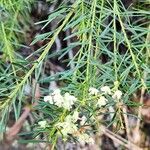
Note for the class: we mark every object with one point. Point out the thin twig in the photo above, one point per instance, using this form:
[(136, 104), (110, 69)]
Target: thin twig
[(124, 109), (140, 109), (144, 78), (119, 139), (14, 130)]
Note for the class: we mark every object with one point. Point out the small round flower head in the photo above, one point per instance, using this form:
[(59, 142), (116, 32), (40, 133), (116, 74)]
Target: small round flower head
[(48, 99), (93, 91), (85, 138), (101, 101), (83, 120), (117, 95), (69, 101), (65, 101), (68, 126), (70, 98), (75, 116), (58, 100), (69, 129), (56, 92), (42, 124), (106, 90)]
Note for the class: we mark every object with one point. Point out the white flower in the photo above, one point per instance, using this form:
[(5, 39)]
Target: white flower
[(68, 126), (72, 118), (57, 98), (68, 119), (83, 120), (117, 95), (70, 98), (101, 101), (85, 138), (75, 116), (93, 91), (56, 92), (106, 90), (42, 124), (65, 101), (69, 101), (48, 99)]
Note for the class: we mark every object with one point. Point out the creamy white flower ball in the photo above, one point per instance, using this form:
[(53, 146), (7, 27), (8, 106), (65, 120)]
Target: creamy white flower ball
[(106, 90), (117, 95), (93, 91)]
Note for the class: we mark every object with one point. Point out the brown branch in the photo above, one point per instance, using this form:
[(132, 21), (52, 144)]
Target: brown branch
[(11, 134), (14, 130), (119, 139)]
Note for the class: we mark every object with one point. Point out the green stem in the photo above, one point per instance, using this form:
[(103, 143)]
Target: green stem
[(42, 56)]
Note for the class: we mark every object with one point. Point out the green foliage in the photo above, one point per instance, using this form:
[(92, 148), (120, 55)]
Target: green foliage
[(14, 16), (102, 29)]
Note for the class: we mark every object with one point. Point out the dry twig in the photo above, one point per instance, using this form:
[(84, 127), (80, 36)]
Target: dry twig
[(11, 135)]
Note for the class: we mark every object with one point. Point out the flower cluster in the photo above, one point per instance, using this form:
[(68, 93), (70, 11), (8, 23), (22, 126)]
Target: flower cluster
[(42, 124), (66, 101), (85, 138), (70, 126), (117, 95), (104, 91)]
